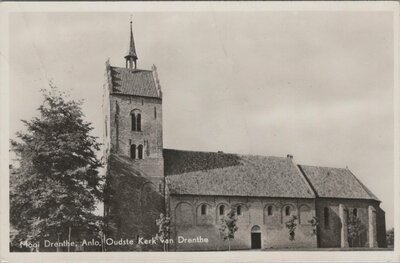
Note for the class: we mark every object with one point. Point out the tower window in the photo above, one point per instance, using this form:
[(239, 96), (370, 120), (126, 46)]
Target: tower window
[(139, 122), (133, 122), (136, 120), (239, 210), (203, 209), (287, 210), (326, 217), (269, 210), (222, 210), (155, 113), (140, 151), (133, 151)]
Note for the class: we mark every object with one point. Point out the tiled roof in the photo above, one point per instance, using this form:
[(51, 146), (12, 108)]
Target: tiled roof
[(179, 162), (133, 82), (207, 173), (336, 183)]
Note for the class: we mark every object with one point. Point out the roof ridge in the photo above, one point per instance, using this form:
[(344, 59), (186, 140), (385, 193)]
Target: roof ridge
[(222, 152), (329, 167)]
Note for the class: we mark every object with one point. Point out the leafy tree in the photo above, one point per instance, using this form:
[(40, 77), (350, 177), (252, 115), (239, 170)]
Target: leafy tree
[(354, 229), (291, 226), (390, 237), (163, 228), (55, 189), (228, 226)]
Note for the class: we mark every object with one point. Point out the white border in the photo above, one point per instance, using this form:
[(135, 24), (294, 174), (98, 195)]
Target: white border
[(8, 7)]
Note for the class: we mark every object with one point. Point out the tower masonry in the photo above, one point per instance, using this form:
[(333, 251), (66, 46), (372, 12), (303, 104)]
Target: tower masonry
[(133, 114), (133, 147)]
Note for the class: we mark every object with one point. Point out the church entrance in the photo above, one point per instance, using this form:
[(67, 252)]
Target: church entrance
[(255, 237)]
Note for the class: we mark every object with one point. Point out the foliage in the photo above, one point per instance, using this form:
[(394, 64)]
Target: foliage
[(228, 226), (354, 229), (57, 183), (390, 237), (163, 223), (291, 226), (314, 223)]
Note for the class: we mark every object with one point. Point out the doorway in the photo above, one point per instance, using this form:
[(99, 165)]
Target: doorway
[(255, 237)]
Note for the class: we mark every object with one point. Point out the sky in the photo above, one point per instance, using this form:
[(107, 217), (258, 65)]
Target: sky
[(317, 85)]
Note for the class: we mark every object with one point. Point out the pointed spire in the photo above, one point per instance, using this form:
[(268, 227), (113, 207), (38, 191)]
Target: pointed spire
[(131, 57)]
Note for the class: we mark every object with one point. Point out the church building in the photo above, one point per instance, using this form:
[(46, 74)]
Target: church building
[(197, 189)]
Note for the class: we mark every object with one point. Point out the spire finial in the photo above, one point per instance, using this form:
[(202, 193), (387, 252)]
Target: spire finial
[(131, 57)]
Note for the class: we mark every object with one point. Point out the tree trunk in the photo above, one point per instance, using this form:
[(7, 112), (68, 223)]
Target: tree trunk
[(229, 244), (58, 240), (102, 237), (69, 238)]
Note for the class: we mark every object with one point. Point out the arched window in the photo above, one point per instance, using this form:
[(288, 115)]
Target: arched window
[(287, 210), (203, 209), (326, 217), (140, 151), (139, 122), (355, 212), (133, 121), (238, 210), (222, 210), (269, 210), (136, 120), (133, 151)]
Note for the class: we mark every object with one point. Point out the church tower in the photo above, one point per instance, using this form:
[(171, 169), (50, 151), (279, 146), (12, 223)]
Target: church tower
[(133, 147)]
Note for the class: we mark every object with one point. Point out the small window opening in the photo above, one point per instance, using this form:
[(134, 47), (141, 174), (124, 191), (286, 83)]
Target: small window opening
[(221, 210), (269, 210), (239, 210), (203, 209), (133, 122), (140, 151), (139, 122), (155, 113), (287, 211), (133, 151)]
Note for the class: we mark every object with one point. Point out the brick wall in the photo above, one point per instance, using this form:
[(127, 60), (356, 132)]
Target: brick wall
[(136, 186), (329, 236), (188, 222), (121, 133)]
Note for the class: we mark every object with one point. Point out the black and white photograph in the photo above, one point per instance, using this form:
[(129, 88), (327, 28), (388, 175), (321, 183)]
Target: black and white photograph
[(139, 130)]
